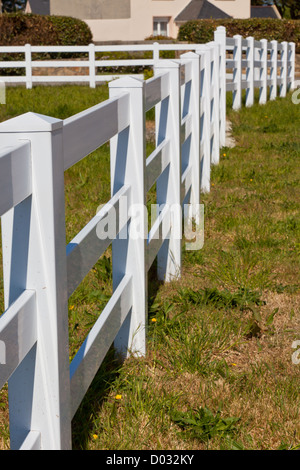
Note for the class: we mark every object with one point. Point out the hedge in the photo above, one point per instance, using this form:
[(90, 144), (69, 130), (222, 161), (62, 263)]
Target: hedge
[(202, 31), (18, 29)]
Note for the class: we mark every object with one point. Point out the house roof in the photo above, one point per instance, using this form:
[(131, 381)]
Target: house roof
[(40, 7), (264, 12), (200, 9)]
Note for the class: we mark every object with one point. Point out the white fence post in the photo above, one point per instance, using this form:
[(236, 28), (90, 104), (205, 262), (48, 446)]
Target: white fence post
[(250, 72), (220, 38), (195, 136), (264, 72), (257, 63), (205, 117), (92, 66), (283, 70), (237, 73), (168, 186), (28, 66), (155, 52), (215, 117), (34, 258), (274, 70), (129, 249), (291, 65)]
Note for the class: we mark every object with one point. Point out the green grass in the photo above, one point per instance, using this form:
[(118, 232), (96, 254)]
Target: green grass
[(218, 372), (56, 101)]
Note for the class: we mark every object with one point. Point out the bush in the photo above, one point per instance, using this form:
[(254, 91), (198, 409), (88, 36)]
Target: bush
[(18, 29), (202, 31)]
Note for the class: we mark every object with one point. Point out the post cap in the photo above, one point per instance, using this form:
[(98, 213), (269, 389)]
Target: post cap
[(30, 122)]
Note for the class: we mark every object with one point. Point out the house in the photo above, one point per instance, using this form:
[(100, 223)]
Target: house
[(265, 12), (134, 20), (197, 10)]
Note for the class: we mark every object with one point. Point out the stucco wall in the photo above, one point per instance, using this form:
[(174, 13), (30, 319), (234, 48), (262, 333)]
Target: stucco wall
[(88, 9), (132, 20), (140, 25)]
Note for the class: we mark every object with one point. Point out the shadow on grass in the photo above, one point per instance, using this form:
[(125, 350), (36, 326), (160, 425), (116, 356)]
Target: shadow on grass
[(103, 382), (89, 408)]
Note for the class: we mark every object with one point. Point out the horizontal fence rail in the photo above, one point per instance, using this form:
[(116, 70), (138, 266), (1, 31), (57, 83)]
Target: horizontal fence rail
[(88, 61), (255, 64), (41, 272)]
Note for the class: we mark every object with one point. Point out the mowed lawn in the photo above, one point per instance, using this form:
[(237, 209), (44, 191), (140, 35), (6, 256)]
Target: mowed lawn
[(219, 371)]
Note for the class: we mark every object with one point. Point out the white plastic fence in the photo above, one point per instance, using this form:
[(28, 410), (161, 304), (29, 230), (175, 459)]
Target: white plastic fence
[(265, 64), (90, 62), (41, 272), (259, 64)]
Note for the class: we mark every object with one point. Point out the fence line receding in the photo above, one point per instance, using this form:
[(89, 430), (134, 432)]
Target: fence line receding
[(41, 272)]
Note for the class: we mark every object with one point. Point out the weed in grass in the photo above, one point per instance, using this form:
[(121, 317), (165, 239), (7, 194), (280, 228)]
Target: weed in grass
[(241, 269), (203, 424), (242, 298), (192, 343)]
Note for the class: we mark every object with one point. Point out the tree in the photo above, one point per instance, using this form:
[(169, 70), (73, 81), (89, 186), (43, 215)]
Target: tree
[(260, 3), (13, 5), (287, 8)]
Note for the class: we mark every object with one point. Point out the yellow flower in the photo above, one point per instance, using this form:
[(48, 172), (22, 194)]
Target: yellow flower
[(212, 184), (233, 364), (224, 154), (95, 436), (118, 397), (251, 179), (153, 319), (71, 307)]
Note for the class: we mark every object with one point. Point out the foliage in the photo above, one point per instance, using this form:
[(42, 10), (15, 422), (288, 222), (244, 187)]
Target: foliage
[(17, 29), (202, 31), (162, 38), (13, 5), (286, 8)]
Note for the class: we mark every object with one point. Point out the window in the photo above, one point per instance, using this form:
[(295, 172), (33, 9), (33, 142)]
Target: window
[(160, 26)]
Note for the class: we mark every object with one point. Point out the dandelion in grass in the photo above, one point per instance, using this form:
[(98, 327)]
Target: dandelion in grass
[(118, 397), (72, 307), (153, 320), (95, 437)]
